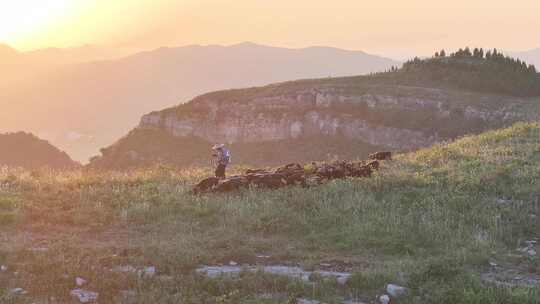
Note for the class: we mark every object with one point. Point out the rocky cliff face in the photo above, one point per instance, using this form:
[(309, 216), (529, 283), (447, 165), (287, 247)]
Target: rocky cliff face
[(308, 120), (315, 112)]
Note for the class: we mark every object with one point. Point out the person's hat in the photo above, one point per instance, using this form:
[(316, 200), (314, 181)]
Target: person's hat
[(218, 146)]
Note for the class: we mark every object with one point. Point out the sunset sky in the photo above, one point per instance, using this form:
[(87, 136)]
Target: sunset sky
[(391, 28)]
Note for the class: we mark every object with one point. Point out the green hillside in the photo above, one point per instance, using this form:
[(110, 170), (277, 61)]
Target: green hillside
[(446, 222), (27, 151), (475, 71)]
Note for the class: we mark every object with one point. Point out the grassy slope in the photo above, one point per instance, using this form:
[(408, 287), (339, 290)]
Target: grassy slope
[(431, 220)]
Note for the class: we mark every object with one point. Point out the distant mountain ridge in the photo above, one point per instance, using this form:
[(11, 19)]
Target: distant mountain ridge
[(59, 100), (60, 56), (28, 151)]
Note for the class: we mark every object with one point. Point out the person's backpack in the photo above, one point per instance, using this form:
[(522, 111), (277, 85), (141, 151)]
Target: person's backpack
[(226, 156)]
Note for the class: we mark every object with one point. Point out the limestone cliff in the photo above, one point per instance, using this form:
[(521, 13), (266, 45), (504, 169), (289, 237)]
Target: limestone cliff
[(308, 120), (374, 116)]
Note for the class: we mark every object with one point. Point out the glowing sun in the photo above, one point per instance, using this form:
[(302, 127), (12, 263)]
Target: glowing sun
[(20, 19)]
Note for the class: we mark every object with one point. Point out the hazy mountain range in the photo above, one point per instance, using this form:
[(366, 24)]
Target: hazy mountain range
[(59, 56), (85, 98), (82, 99)]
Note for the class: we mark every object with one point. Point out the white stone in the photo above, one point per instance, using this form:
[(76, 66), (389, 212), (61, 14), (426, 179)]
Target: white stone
[(384, 299), (502, 201), (84, 296), (288, 271), (325, 264), (18, 291), (528, 250), (80, 281), (396, 291), (216, 271), (148, 271), (292, 272), (306, 301), (3, 268), (233, 263), (126, 268), (342, 279)]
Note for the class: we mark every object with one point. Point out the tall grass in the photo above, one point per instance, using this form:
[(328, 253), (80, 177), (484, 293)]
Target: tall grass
[(430, 220)]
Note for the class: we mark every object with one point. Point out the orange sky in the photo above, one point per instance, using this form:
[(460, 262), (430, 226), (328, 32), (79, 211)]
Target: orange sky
[(397, 27)]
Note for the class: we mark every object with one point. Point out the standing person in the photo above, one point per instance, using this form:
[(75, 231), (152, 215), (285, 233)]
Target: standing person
[(223, 158)]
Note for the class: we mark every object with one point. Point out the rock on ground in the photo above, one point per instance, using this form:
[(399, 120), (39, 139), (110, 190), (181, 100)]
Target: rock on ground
[(396, 291), (293, 174), (18, 291), (288, 271), (84, 296), (511, 277), (384, 299)]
